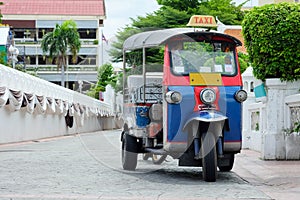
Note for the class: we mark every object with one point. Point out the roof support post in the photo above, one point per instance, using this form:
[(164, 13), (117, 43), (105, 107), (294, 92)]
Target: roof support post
[(124, 75), (144, 74)]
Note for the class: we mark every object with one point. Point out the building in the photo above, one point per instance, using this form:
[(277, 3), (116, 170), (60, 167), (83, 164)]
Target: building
[(264, 2), (252, 3), (29, 20), (248, 5)]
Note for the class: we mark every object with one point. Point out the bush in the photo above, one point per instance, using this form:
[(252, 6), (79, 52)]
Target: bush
[(244, 61), (271, 34), (105, 76)]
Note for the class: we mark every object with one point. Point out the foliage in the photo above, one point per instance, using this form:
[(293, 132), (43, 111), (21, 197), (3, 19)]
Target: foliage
[(116, 52), (225, 10), (2, 57), (297, 127), (272, 39), (172, 14), (244, 61), (63, 38), (1, 3), (293, 129), (179, 4), (165, 17), (105, 76)]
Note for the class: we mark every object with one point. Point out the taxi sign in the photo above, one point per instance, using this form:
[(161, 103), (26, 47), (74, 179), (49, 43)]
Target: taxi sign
[(202, 20)]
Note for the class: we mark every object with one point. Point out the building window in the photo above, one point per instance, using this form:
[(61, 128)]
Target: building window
[(31, 60), (43, 31), (87, 33), (42, 60), (85, 60), (24, 33)]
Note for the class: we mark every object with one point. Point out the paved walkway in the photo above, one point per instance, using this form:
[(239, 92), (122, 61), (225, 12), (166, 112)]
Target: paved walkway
[(88, 166), (278, 179)]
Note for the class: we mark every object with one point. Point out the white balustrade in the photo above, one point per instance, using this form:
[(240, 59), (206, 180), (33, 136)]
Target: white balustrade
[(32, 108)]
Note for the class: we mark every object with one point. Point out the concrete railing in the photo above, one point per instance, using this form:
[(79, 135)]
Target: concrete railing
[(292, 111), (32, 108), (271, 126), (255, 125)]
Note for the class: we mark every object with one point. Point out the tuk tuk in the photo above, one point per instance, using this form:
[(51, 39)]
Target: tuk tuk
[(189, 107)]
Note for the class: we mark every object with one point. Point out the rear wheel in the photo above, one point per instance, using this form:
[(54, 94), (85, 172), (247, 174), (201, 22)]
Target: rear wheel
[(229, 167), (209, 157), (129, 152)]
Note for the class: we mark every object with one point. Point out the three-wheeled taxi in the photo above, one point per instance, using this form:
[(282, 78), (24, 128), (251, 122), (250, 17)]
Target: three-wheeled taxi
[(189, 107)]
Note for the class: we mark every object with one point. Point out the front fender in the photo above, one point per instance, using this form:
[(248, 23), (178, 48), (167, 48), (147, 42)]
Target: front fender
[(205, 116)]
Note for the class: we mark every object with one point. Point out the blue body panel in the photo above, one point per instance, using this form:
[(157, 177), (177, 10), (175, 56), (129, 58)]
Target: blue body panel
[(141, 116), (179, 114)]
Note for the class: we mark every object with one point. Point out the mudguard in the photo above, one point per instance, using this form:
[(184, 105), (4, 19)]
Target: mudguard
[(205, 116)]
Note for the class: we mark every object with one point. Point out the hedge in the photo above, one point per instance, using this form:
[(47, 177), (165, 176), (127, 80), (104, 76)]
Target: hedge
[(272, 39)]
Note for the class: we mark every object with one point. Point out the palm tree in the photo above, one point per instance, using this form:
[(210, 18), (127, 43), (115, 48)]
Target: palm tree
[(63, 38), (1, 3)]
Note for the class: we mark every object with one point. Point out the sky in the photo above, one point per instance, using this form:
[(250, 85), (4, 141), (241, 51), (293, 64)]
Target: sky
[(119, 12)]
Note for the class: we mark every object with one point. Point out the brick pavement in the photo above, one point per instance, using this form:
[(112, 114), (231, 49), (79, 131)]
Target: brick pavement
[(278, 179), (88, 166)]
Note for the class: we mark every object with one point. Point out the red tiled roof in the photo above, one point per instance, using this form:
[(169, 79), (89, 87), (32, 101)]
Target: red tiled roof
[(53, 7)]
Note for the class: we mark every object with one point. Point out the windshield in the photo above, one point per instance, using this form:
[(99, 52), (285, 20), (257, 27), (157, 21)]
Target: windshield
[(213, 57)]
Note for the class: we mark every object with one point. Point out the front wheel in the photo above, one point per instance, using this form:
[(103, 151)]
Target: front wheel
[(129, 152), (209, 157)]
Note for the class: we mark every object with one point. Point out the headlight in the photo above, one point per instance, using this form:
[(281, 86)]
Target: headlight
[(208, 96), (173, 97), (241, 96)]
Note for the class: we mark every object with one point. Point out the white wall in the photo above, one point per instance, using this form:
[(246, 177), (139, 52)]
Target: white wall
[(265, 122), (44, 115)]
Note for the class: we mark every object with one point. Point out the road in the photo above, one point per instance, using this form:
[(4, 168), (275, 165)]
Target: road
[(88, 166)]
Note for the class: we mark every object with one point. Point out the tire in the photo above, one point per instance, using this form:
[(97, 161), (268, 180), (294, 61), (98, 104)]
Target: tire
[(158, 159), (209, 157), (129, 152), (230, 166)]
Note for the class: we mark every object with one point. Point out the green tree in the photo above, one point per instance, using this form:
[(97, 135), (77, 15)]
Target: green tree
[(225, 10), (62, 39), (2, 57), (1, 3), (179, 4), (172, 14), (165, 17), (272, 39), (105, 76), (244, 61)]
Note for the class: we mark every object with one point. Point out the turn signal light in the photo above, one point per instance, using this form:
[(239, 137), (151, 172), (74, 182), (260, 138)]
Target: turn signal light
[(173, 97), (241, 96)]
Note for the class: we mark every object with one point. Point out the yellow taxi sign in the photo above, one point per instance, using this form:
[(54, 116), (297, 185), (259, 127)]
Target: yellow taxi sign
[(202, 20)]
